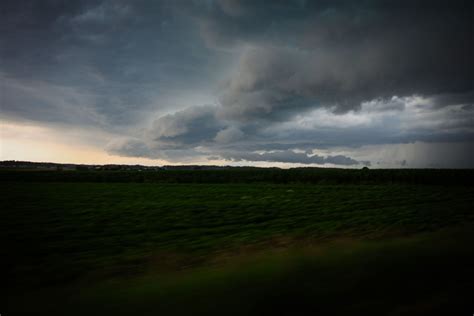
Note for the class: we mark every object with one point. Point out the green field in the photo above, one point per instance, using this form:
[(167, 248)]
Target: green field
[(236, 248)]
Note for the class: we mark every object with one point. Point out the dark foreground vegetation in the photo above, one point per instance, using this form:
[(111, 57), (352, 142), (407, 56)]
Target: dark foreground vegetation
[(238, 242), (249, 175)]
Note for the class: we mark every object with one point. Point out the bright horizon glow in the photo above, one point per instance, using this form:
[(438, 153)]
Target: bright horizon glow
[(27, 142)]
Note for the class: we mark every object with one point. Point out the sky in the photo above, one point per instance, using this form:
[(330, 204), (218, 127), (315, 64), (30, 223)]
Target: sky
[(383, 84)]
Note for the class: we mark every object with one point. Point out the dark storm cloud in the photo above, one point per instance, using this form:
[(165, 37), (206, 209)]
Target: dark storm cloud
[(281, 76), (123, 53), (33, 33), (466, 99), (188, 127), (226, 23), (289, 156), (344, 54), (131, 147), (196, 131), (199, 131)]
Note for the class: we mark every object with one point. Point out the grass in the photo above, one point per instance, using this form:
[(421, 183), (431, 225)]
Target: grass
[(242, 248)]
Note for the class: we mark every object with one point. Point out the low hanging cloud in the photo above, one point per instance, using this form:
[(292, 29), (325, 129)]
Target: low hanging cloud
[(35, 100), (131, 147), (199, 132), (196, 132), (191, 126), (172, 135), (274, 82), (342, 55), (289, 156), (229, 135)]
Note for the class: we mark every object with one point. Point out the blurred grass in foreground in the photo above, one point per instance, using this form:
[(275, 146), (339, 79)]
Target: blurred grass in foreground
[(430, 274), (256, 248)]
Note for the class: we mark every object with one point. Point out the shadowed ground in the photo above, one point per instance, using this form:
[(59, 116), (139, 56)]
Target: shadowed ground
[(237, 248)]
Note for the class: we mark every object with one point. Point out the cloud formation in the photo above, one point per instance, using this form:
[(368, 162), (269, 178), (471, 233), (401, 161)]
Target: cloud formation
[(289, 156), (343, 55), (245, 81), (192, 125)]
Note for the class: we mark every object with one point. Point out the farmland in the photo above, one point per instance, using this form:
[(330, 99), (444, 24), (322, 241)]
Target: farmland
[(346, 245)]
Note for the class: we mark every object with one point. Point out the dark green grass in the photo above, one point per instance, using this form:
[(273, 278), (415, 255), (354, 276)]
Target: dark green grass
[(78, 235), (430, 274), (246, 175)]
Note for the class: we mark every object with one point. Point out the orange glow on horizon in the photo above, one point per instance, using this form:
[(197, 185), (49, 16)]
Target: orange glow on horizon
[(42, 144)]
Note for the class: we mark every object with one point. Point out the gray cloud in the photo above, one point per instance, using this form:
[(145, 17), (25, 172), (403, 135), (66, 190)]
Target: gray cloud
[(282, 76), (195, 131), (229, 135), (188, 127), (35, 100), (336, 54), (199, 131), (466, 99), (131, 147), (345, 55), (122, 53), (289, 156)]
